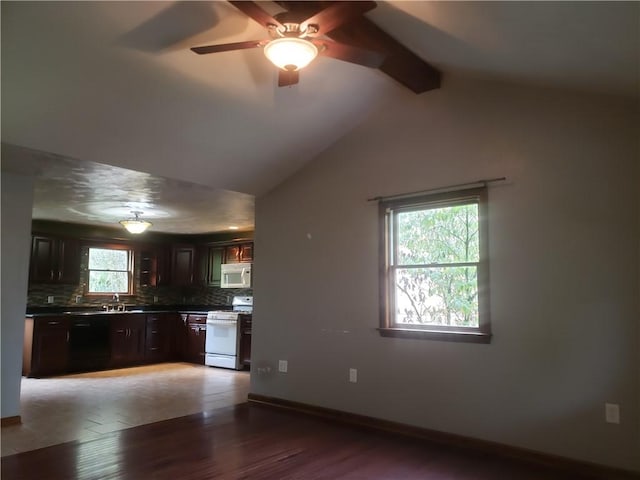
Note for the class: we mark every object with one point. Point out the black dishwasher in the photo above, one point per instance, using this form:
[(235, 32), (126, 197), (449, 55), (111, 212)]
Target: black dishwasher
[(89, 343)]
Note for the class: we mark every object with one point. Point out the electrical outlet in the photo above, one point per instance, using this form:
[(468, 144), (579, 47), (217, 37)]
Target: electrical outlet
[(50, 299), (612, 412), (353, 375), (78, 298), (155, 299), (283, 366)]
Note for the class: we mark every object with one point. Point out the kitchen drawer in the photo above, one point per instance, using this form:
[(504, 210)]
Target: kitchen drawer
[(197, 318)]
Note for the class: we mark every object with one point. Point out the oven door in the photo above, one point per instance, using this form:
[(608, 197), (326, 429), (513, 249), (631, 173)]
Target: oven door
[(222, 337)]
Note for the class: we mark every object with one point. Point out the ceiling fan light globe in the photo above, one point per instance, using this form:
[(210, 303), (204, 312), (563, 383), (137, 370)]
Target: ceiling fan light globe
[(290, 53)]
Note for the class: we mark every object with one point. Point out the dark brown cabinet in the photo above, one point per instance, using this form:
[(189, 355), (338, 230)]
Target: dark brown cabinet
[(196, 332), (242, 252), (129, 339), (201, 266), (155, 266), (184, 266), (245, 340), (127, 335), (190, 265), (54, 260), (158, 339), (46, 348)]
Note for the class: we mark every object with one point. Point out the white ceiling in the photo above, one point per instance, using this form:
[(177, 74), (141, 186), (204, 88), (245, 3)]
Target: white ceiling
[(115, 83)]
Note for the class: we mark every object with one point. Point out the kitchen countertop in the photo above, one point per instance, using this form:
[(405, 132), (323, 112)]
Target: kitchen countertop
[(85, 311)]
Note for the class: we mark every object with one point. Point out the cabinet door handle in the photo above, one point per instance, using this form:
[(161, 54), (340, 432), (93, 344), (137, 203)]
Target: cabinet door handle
[(67, 337), (51, 275), (59, 274), (53, 323)]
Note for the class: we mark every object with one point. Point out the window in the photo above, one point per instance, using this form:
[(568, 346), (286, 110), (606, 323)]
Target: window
[(110, 270), (434, 268)]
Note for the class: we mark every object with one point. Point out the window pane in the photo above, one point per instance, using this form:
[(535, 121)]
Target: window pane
[(438, 235), (105, 259), (108, 282), (437, 296)]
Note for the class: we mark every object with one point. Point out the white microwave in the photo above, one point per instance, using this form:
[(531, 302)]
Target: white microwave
[(235, 275)]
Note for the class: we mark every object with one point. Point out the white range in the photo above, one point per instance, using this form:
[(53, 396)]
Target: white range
[(223, 334)]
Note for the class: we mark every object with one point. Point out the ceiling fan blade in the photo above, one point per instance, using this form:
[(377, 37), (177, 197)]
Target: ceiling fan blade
[(225, 47), (400, 63), (251, 9), (288, 77), (337, 14), (348, 53)]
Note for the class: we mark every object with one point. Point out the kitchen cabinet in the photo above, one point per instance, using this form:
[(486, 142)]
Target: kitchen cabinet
[(155, 267), (190, 266), (46, 346), (201, 265), (244, 351), (158, 338), (238, 253), (182, 265), (127, 335), (215, 261), (54, 260), (195, 339)]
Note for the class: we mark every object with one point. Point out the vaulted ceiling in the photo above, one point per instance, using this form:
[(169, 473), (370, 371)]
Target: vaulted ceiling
[(114, 83)]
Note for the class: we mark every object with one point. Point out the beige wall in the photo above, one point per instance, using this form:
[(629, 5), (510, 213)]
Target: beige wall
[(17, 200), (564, 260)]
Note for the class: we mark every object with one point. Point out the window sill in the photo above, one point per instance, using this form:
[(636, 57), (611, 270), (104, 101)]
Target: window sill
[(465, 337)]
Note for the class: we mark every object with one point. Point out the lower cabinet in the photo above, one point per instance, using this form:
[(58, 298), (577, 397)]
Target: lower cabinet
[(127, 335), (46, 348), (158, 340), (245, 340), (129, 339)]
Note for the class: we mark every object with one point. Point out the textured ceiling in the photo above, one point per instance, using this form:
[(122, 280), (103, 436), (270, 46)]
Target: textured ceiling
[(114, 83), (96, 194)]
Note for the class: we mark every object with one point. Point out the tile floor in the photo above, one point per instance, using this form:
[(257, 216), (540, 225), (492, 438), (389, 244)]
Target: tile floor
[(86, 405)]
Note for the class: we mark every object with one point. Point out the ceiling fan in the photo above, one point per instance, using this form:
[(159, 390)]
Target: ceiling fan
[(299, 34)]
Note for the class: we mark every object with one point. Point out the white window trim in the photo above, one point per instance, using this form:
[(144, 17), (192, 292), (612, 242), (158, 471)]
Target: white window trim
[(388, 328)]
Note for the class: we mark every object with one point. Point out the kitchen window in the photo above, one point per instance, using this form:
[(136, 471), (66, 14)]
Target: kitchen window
[(434, 267), (110, 270)]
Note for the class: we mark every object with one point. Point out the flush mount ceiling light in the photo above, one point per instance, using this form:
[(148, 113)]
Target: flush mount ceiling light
[(290, 53), (135, 225)]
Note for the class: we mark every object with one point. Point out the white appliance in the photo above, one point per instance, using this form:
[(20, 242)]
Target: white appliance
[(223, 334), (236, 275)]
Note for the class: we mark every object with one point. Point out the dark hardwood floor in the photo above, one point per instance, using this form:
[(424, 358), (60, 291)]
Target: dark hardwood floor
[(259, 442)]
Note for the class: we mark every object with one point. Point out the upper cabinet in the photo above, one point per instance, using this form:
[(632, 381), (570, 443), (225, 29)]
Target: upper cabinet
[(183, 265), (200, 265), (242, 252), (54, 260), (215, 260), (155, 266)]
